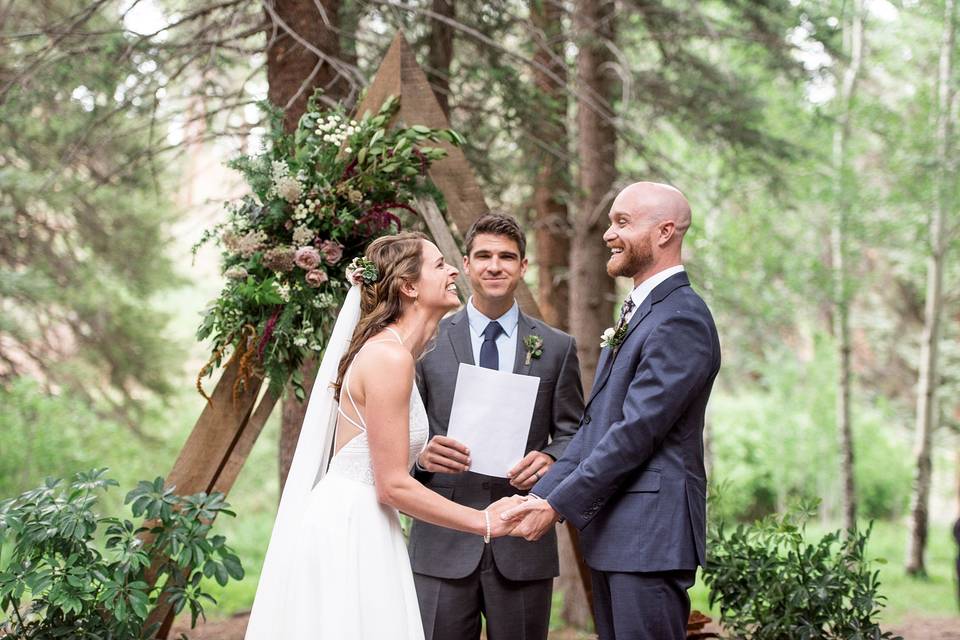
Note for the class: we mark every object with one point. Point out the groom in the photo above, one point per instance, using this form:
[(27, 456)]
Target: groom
[(509, 581), (633, 478)]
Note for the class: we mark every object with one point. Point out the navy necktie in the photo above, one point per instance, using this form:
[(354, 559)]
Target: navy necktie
[(489, 356)]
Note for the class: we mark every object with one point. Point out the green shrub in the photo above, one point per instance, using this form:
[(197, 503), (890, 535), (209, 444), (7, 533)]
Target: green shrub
[(59, 583), (769, 583)]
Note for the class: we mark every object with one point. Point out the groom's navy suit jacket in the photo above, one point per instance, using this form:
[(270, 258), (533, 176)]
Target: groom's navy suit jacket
[(632, 480)]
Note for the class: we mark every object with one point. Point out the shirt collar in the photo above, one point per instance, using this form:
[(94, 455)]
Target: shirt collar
[(479, 322), (645, 288)]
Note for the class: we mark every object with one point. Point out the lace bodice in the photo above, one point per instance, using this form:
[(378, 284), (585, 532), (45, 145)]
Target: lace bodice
[(353, 460)]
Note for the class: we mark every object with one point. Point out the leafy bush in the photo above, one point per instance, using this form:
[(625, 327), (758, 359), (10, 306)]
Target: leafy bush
[(769, 583), (58, 583)]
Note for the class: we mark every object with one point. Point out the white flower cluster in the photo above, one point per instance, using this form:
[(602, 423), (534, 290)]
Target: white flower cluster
[(302, 235), (283, 290), (304, 209), (324, 300), (285, 185), (334, 130)]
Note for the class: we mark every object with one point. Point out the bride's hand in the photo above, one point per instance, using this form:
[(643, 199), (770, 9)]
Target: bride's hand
[(498, 526)]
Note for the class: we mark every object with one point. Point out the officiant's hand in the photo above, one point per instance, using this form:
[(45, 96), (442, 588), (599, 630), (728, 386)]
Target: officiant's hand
[(499, 526), (537, 518), (444, 455), (528, 471)]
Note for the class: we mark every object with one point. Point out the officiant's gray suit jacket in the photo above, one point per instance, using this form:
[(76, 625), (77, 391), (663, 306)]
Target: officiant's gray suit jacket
[(445, 553)]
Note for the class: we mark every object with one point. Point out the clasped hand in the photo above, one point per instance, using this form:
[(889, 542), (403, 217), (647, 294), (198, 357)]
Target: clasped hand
[(524, 517)]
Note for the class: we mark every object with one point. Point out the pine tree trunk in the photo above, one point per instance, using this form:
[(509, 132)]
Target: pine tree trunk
[(293, 72), (927, 414), (839, 241), (590, 286), (441, 51), (552, 183)]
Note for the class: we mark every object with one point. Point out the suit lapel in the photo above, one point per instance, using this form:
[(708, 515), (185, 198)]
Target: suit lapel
[(525, 327), (609, 356), (460, 337)]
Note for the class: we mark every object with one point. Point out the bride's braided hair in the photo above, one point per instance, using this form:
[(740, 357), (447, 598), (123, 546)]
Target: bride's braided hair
[(398, 259)]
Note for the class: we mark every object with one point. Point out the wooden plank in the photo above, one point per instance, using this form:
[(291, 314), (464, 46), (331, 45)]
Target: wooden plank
[(214, 451), (400, 75), (432, 215), (248, 437), (216, 433)]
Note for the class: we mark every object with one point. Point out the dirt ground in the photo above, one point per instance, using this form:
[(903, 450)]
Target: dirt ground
[(918, 628)]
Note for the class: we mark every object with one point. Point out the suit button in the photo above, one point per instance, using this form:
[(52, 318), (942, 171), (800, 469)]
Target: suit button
[(485, 485), (586, 419)]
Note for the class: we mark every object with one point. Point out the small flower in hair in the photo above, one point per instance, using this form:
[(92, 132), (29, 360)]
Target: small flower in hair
[(362, 270)]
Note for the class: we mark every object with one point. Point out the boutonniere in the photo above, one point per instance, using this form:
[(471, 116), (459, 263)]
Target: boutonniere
[(613, 337), (534, 345)]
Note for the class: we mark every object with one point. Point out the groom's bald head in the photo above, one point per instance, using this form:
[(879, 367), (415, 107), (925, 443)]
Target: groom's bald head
[(656, 202), (647, 223)]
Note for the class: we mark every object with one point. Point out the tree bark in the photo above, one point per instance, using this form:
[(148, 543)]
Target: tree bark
[(590, 286), (441, 52), (927, 413), (297, 32), (841, 278), (552, 183)]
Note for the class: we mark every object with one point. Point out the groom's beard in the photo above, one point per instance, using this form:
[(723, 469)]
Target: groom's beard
[(634, 259)]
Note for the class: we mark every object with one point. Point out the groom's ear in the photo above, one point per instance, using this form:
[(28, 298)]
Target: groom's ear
[(665, 232)]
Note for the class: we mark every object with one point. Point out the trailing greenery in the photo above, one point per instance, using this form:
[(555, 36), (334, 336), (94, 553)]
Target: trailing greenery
[(318, 198), (769, 581), (61, 582)]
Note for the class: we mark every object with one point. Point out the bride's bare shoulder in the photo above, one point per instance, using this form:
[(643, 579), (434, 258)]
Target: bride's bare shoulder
[(387, 361)]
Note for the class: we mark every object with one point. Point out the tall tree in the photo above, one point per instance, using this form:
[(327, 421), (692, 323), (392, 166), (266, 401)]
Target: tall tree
[(927, 411), (303, 54), (839, 232), (550, 154), (441, 50), (83, 210), (597, 152)]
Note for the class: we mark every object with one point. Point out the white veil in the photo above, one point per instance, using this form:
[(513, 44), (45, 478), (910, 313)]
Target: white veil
[(310, 461)]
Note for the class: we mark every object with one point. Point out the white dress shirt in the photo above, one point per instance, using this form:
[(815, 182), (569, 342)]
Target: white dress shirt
[(645, 288), (506, 341)]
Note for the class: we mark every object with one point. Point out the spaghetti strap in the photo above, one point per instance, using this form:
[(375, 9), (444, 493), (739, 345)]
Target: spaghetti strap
[(362, 425)]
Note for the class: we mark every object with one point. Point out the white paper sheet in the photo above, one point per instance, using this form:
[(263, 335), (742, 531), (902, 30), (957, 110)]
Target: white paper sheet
[(491, 415)]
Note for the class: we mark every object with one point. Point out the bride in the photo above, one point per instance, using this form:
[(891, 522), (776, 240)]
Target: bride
[(337, 567)]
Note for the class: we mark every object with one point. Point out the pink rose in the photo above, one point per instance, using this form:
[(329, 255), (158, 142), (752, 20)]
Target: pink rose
[(307, 258), (332, 251), (316, 277)]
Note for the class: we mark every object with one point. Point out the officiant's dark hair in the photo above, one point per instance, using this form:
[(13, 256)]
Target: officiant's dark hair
[(496, 224), (398, 259)]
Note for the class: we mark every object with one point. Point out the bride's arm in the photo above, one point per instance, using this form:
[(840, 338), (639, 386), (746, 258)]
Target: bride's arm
[(387, 381)]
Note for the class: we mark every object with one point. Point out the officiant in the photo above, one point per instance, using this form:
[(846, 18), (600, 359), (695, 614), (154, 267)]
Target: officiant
[(509, 582)]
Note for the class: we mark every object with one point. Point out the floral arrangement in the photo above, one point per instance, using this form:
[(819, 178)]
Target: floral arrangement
[(317, 198)]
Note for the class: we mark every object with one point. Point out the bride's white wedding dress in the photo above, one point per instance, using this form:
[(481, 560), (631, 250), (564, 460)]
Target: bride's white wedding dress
[(352, 577)]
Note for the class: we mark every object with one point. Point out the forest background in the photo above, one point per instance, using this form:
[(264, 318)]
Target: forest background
[(815, 140)]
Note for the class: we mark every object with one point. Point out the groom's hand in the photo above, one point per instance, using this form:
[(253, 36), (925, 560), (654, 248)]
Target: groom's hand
[(528, 471), (538, 517), (444, 455)]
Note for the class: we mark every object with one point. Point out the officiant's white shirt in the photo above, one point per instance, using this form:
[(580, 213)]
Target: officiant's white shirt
[(506, 341), (645, 288)]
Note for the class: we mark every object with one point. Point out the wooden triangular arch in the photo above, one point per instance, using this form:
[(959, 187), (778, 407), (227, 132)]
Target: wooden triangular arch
[(229, 425)]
